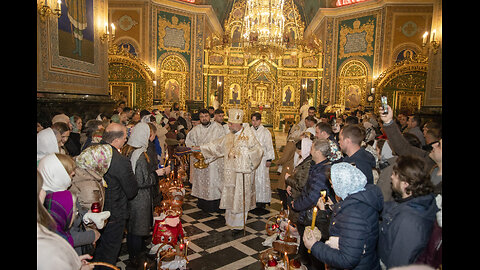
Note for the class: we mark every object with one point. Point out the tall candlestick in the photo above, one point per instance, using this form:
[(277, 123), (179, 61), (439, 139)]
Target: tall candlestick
[(113, 29), (433, 34)]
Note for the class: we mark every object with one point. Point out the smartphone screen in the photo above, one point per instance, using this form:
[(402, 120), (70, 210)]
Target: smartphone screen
[(384, 104)]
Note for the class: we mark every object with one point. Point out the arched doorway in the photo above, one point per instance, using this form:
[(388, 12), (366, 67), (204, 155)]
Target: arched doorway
[(173, 79), (352, 84), (403, 84), (129, 79)]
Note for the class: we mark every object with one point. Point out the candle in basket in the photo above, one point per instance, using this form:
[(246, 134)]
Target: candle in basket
[(314, 216)]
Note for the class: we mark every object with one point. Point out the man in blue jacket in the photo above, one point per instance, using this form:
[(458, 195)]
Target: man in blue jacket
[(354, 222), (407, 222), (350, 139)]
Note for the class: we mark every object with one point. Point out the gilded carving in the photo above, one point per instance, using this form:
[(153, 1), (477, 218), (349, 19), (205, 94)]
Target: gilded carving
[(356, 41), (173, 35)]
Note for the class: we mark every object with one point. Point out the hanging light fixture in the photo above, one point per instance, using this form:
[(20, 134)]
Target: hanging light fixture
[(263, 28)]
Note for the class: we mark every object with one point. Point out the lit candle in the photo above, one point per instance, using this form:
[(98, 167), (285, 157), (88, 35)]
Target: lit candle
[(59, 3), (113, 29), (286, 261), (288, 229), (433, 34), (314, 216), (145, 266), (425, 38)]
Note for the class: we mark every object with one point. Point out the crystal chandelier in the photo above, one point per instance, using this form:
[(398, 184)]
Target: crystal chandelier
[(263, 28)]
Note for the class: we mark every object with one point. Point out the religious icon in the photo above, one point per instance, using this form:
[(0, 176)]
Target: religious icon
[(172, 91), (352, 96), (234, 94), (287, 96)]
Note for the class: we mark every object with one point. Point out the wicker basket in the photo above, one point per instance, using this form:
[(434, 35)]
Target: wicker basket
[(282, 247), (105, 264)]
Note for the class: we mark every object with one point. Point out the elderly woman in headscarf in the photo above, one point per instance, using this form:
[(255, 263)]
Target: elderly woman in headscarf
[(354, 227), (140, 207)]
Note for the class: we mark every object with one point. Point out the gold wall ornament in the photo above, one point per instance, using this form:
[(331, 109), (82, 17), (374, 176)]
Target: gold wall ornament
[(359, 39), (406, 75), (174, 35), (127, 69), (45, 10), (173, 79), (352, 82)]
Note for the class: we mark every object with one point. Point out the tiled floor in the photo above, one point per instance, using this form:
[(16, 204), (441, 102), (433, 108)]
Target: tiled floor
[(212, 245)]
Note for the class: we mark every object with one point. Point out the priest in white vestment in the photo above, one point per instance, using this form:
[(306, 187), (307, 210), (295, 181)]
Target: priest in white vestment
[(207, 182), (262, 174), (242, 154)]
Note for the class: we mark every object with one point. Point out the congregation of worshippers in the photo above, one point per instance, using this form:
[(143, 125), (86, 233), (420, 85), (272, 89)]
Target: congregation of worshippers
[(358, 189)]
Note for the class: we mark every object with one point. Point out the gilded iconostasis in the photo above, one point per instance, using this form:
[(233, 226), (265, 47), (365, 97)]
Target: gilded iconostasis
[(154, 53)]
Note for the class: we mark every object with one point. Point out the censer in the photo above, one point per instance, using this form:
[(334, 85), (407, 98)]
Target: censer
[(200, 164)]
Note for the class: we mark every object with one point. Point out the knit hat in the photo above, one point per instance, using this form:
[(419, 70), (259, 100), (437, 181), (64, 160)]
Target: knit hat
[(347, 179)]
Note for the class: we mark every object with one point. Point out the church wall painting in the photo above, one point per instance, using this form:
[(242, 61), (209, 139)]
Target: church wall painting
[(76, 30)]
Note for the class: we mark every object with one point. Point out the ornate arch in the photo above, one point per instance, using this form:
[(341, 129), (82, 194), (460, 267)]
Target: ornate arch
[(352, 82), (403, 79), (173, 79), (128, 70), (404, 46)]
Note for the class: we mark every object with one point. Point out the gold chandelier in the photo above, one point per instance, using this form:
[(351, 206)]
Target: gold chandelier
[(263, 28)]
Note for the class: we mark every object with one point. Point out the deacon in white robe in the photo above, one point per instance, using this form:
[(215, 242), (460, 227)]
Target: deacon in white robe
[(242, 154), (207, 182), (262, 174)]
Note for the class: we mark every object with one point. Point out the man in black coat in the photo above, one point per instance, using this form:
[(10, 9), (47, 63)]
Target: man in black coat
[(121, 187)]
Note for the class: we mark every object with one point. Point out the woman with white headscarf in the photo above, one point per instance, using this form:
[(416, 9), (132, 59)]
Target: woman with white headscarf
[(140, 207), (354, 226), (56, 175), (47, 143)]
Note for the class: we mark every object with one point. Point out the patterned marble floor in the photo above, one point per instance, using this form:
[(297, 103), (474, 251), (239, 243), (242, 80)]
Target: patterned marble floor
[(212, 245)]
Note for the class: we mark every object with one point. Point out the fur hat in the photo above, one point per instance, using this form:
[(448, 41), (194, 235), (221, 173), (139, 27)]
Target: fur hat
[(235, 116)]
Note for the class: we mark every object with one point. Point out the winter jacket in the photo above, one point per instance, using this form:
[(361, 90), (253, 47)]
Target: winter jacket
[(405, 229), (364, 161), (121, 186), (299, 177), (355, 221), (317, 181), (140, 207)]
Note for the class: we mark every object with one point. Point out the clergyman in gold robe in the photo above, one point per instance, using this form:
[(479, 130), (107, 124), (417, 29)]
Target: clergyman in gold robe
[(242, 154)]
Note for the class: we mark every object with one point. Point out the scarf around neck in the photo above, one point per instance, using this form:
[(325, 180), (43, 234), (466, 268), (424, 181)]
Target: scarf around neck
[(60, 206)]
